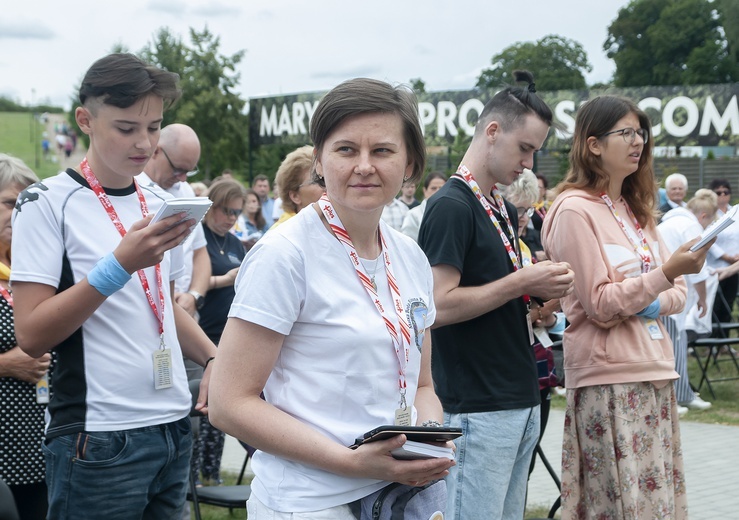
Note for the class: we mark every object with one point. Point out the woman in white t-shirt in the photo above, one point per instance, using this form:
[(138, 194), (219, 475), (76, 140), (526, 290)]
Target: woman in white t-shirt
[(331, 320)]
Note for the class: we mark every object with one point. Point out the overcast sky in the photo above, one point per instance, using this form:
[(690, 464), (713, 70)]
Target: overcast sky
[(292, 45)]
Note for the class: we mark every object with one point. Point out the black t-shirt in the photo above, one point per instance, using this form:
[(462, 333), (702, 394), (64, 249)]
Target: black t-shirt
[(214, 314), (487, 363)]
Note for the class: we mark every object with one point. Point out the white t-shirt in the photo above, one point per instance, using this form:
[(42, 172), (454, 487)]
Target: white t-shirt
[(104, 379), (196, 240), (677, 227), (337, 370)]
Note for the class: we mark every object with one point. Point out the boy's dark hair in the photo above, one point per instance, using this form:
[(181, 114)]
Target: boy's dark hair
[(511, 104), (121, 79)]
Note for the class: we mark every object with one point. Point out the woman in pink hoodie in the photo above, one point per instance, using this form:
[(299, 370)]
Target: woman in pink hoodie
[(621, 454)]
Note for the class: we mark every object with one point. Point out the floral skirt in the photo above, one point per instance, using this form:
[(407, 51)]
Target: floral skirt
[(621, 454)]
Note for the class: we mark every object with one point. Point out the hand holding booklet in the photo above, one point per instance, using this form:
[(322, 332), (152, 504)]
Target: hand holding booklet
[(193, 208), (717, 227), (419, 439)]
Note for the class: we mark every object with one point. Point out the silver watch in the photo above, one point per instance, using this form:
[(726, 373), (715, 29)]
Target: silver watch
[(199, 299)]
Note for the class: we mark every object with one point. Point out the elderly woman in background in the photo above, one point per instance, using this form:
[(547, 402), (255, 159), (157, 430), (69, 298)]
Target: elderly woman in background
[(724, 255), (226, 253), (331, 320), (677, 227), (295, 184), (523, 194), (23, 382)]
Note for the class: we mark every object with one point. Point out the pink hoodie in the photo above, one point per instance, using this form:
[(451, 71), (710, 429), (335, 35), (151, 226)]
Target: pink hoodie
[(580, 229)]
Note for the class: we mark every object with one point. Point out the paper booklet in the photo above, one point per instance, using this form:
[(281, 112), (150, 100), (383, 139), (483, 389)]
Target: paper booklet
[(717, 227), (422, 450), (194, 208)]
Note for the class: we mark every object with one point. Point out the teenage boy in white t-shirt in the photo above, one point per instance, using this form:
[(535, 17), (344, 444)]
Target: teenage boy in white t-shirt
[(119, 434)]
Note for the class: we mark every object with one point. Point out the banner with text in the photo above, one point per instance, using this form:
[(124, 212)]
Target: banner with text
[(698, 115)]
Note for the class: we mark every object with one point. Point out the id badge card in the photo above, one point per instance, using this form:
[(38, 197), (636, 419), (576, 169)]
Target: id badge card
[(543, 336), (403, 416), (162, 368), (653, 328)]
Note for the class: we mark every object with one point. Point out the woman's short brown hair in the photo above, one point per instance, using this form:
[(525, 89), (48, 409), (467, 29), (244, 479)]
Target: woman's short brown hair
[(291, 174), (222, 192), (362, 96)]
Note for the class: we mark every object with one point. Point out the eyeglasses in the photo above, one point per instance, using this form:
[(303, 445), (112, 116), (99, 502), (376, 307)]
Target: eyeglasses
[(629, 134), (176, 172), (722, 192), (310, 182), (231, 212), (529, 212)]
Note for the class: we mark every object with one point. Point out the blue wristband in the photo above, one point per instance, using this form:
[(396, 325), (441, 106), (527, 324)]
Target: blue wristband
[(108, 276), (650, 311)]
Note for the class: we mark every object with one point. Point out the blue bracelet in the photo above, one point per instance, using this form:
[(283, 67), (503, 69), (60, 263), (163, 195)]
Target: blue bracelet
[(108, 276)]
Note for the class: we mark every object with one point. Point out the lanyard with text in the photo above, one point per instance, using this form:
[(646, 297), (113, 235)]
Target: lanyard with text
[(464, 175), (642, 249), (105, 201), (6, 294), (401, 341)]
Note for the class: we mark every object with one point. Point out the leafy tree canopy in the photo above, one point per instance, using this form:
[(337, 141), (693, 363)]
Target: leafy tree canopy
[(557, 63), (208, 104), (671, 42)]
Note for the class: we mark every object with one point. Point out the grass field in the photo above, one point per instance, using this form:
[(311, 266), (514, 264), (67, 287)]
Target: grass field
[(20, 136)]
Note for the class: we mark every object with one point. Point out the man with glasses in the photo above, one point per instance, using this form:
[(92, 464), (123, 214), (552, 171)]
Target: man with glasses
[(174, 160)]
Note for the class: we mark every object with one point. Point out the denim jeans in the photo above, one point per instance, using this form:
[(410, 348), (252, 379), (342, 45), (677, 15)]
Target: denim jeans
[(493, 457), (121, 475)]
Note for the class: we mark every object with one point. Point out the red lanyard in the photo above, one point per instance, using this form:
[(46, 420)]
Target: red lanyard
[(401, 342), (642, 249), (105, 201), (465, 176), (6, 294)]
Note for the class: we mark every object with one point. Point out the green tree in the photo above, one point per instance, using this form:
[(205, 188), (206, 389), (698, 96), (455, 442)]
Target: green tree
[(557, 63), (728, 11), (418, 85), (669, 42), (209, 103)]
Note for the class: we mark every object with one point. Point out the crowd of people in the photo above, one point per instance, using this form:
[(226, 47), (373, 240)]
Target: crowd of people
[(313, 316)]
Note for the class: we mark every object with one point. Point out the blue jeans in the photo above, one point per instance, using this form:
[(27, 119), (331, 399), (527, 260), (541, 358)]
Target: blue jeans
[(120, 475), (493, 457)]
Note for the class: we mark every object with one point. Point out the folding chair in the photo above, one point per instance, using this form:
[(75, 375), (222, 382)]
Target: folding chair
[(232, 497), (8, 510), (720, 341)]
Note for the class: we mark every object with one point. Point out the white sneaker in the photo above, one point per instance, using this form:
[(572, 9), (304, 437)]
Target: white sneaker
[(681, 410), (697, 404)]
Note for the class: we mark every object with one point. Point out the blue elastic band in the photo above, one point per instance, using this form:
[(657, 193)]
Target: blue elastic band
[(651, 311), (108, 276)]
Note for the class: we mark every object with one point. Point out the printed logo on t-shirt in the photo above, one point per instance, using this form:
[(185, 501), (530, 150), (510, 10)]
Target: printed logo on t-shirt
[(416, 311), (29, 196)]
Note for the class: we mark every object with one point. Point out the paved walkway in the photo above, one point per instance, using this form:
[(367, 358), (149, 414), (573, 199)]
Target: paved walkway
[(711, 454)]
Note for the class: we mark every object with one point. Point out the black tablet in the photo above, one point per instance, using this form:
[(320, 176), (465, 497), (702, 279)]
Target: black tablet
[(413, 433)]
